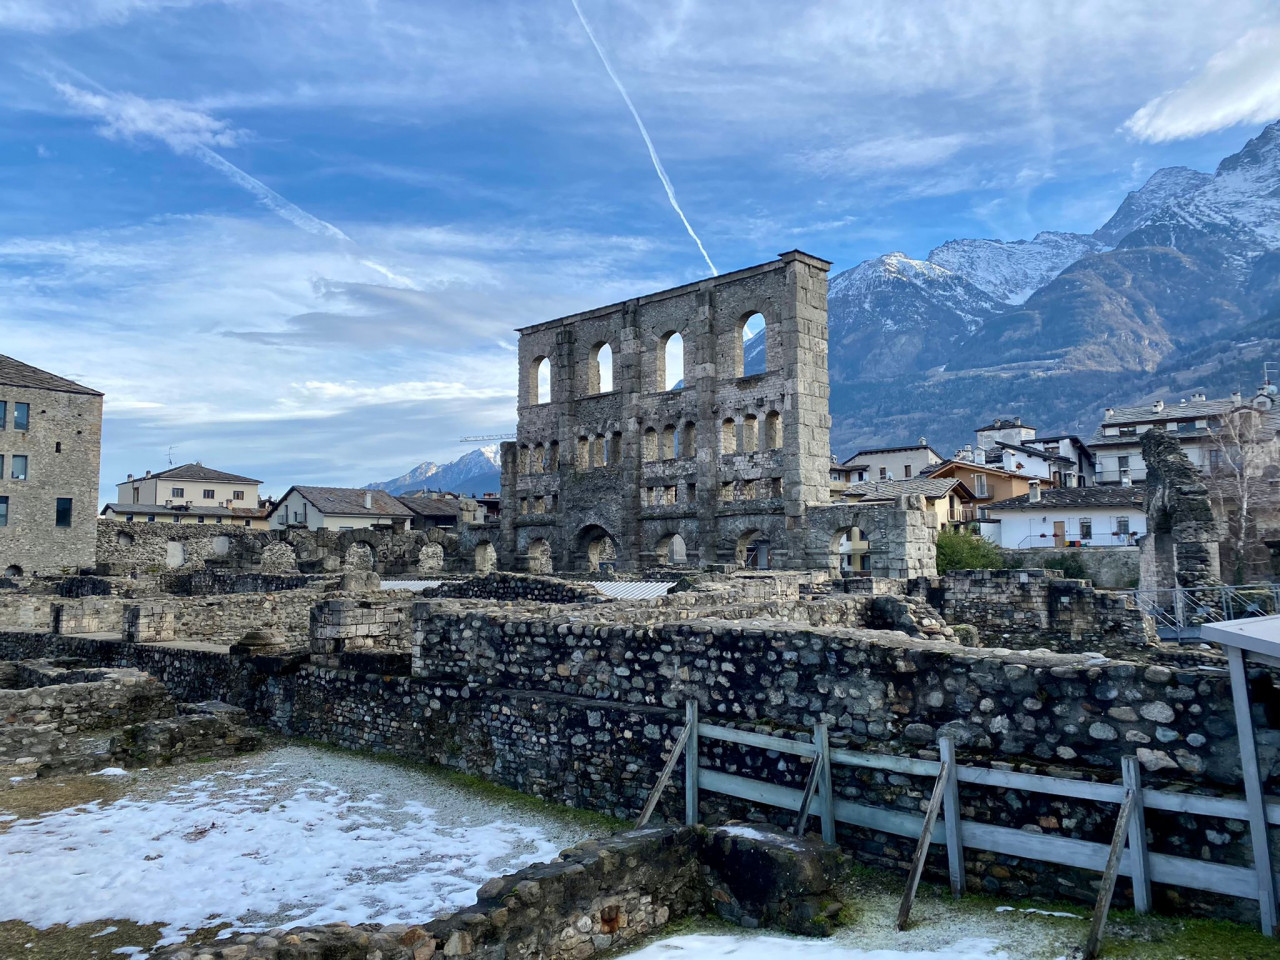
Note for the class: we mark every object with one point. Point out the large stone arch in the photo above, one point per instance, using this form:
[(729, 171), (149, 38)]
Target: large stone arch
[(902, 536), (595, 546)]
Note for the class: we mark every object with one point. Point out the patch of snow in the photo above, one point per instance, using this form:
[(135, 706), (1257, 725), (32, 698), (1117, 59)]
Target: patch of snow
[(764, 836), (711, 946), (111, 772), (1012, 271), (337, 838), (104, 931)]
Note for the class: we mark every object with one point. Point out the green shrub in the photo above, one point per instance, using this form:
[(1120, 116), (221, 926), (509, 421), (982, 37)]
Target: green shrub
[(958, 550), (1071, 566)]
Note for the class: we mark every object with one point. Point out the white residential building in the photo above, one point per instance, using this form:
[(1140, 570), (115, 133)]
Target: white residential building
[(1068, 517), (338, 508), (892, 463)]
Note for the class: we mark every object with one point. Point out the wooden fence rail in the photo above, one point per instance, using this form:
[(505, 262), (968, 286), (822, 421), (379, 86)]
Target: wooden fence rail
[(1134, 861)]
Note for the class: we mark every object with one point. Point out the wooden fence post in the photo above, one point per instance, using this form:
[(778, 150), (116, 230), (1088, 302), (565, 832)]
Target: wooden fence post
[(825, 796), (1137, 836), (691, 764), (1253, 791), (922, 848), (1108, 886), (951, 816)]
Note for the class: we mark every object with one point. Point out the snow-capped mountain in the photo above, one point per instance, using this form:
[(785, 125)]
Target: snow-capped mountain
[(476, 472), (1162, 187), (1012, 271), (1181, 285)]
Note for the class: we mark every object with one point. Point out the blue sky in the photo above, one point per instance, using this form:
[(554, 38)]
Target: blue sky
[(291, 237)]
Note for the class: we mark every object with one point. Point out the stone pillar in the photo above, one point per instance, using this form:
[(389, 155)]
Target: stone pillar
[(152, 621)]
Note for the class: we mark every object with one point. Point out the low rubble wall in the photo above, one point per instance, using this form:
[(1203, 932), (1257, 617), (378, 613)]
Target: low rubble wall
[(1030, 609), (601, 896), (56, 703), (516, 586)]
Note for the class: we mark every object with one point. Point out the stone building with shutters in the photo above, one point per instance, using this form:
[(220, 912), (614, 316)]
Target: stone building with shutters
[(50, 447), (659, 431)]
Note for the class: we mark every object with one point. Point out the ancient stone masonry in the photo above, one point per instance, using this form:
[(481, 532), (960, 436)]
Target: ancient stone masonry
[(341, 624), (596, 898), (45, 706), (1181, 545), (641, 442), (1026, 609), (514, 586)]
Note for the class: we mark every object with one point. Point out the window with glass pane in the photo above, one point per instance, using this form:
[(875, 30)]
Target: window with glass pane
[(4, 413), (4, 511), (19, 471), (21, 416), (62, 514)]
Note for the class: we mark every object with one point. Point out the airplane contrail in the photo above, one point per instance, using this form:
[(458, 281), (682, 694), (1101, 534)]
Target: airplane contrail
[(653, 154)]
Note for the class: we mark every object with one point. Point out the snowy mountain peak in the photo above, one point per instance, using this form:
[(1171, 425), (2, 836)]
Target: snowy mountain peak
[(1162, 188), (1012, 271), (478, 471)]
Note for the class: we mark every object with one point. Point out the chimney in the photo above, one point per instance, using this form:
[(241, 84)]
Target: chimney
[(1157, 406), (1017, 421), (923, 442), (1033, 495), (129, 477), (1235, 396), (148, 476), (368, 499), (1108, 412)]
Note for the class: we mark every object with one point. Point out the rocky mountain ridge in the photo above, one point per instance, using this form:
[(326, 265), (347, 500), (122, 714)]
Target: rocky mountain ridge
[(475, 472)]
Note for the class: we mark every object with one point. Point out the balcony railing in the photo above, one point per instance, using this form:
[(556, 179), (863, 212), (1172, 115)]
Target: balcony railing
[(1135, 474), (1070, 541)]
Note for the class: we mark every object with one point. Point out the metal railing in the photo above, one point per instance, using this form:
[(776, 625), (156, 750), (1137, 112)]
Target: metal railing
[(1179, 612), (1068, 542)]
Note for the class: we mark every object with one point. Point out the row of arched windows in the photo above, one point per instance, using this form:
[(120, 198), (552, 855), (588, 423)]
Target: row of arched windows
[(750, 439), (667, 363), (669, 443), (540, 458)]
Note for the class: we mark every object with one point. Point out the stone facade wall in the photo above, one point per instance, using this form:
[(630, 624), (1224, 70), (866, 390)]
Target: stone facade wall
[(19, 611), (1181, 545), (62, 445), (1030, 609), (87, 615), (1111, 568), (55, 704)]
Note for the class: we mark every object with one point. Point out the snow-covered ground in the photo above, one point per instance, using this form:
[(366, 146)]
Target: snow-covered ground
[(290, 836)]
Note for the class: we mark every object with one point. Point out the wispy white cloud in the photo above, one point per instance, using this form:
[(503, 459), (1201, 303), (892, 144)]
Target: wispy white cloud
[(48, 16), (1240, 84), (901, 152)]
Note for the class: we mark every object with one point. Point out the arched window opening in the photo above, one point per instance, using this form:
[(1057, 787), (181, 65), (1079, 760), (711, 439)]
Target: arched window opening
[(728, 437), (582, 458), (486, 558), (540, 557), (688, 439), (754, 351), (537, 459), (540, 381), (553, 456), (750, 433), (753, 550), (672, 367), (650, 445), (597, 450), (600, 369), (850, 553), (667, 449), (773, 430), (522, 459), (615, 448)]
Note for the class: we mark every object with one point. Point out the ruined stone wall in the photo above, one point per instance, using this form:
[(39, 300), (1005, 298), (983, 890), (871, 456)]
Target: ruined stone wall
[(514, 586), (345, 624), (1180, 548), (49, 705), (1111, 568), (1030, 609)]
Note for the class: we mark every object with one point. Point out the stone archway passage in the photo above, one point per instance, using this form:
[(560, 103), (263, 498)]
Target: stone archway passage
[(540, 557), (753, 550), (597, 549), (486, 557)]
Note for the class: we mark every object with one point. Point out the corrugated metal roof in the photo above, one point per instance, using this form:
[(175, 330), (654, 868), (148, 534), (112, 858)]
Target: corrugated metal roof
[(633, 589), (410, 584)]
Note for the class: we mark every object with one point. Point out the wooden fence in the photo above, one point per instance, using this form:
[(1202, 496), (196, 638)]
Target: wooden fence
[(958, 834)]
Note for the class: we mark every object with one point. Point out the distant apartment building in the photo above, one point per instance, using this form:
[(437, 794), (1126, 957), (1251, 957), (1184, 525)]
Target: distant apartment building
[(191, 493), (436, 510), (339, 508), (891, 463), (50, 445), (1117, 442), (1012, 446)]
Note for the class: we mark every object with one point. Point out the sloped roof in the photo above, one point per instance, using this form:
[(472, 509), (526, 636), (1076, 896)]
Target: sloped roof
[(15, 373), (195, 510), (931, 487), (900, 449), (1033, 452), (198, 471), (432, 507), (1075, 497), (349, 502)]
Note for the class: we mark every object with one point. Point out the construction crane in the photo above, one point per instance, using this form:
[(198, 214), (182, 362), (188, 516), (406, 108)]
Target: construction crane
[(492, 436)]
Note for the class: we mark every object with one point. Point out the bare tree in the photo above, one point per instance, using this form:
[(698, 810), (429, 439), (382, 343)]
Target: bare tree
[(1244, 455)]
